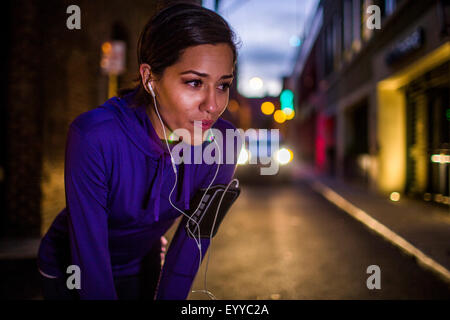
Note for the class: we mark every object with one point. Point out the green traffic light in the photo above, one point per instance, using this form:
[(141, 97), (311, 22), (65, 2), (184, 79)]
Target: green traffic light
[(287, 99)]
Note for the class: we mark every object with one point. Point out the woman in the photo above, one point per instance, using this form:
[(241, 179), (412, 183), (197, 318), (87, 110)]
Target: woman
[(118, 171)]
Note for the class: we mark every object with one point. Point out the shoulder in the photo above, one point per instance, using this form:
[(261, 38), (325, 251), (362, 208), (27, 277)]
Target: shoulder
[(94, 125), (90, 121)]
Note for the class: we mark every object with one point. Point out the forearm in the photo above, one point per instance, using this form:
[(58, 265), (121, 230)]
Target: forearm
[(181, 266)]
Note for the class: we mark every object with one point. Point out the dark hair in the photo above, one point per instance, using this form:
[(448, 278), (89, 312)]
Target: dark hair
[(170, 32)]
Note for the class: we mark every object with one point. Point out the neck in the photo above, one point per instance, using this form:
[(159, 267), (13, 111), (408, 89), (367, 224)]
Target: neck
[(156, 123)]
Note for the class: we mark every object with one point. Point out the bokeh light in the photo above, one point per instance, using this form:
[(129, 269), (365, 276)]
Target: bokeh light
[(256, 83), (233, 106), (279, 116), (244, 156), (290, 113), (267, 107), (295, 41), (106, 47), (395, 196), (284, 156)]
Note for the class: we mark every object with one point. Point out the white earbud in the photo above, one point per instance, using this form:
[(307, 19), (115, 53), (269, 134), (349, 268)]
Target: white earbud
[(151, 89), (199, 245)]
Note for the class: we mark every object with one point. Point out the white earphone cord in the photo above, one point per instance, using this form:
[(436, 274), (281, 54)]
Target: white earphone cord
[(199, 245)]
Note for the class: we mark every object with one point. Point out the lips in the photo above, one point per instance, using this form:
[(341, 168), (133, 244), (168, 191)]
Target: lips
[(205, 124)]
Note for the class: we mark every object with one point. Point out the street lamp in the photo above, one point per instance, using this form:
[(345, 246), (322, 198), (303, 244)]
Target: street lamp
[(256, 83)]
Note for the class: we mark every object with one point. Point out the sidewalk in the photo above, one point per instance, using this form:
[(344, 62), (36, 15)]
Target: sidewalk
[(19, 248), (420, 229), (21, 278)]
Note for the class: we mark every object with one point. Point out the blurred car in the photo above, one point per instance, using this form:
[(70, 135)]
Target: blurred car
[(261, 159)]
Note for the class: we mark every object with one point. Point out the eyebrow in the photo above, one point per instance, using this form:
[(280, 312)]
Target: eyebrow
[(205, 75)]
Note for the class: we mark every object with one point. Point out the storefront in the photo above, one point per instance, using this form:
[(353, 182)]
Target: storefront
[(428, 134), (413, 127)]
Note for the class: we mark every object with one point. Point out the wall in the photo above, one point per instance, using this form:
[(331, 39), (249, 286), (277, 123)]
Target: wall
[(54, 75)]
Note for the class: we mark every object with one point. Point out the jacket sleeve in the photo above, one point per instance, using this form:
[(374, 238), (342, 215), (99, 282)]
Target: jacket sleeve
[(180, 266), (86, 202), (182, 259)]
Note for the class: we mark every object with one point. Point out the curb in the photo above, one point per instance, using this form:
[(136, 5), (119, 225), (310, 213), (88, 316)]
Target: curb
[(422, 259)]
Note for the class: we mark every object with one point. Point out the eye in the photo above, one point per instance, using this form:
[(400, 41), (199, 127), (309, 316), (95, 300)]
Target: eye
[(225, 85), (195, 82)]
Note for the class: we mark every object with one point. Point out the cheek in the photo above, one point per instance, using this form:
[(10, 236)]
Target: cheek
[(184, 108), (186, 104), (223, 103), (179, 102)]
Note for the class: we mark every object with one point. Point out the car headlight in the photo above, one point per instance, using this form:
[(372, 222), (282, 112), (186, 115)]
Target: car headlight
[(244, 156), (284, 156)]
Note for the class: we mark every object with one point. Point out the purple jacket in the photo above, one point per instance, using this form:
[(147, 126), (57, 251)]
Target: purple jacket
[(118, 178)]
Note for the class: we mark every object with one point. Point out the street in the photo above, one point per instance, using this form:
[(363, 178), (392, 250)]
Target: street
[(333, 115), (287, 242)]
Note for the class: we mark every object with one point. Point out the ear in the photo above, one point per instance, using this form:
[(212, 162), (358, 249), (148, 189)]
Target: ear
[(145, 72)]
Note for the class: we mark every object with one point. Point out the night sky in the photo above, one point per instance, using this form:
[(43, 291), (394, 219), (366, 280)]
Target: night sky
[(270, 33)]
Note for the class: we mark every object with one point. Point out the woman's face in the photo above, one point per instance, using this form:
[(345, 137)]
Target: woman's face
[(195, 89)]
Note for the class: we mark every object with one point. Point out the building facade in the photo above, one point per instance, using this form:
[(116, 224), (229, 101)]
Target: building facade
[(51, 74), (373, 103)]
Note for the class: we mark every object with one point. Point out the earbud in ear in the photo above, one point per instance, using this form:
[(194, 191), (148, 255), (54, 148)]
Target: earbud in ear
[(151, 89)]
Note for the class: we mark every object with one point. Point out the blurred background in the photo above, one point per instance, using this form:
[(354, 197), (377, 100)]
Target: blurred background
[(359, 90)]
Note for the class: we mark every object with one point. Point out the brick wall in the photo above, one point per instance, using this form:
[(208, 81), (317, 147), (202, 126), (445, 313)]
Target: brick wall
[(54, 75)]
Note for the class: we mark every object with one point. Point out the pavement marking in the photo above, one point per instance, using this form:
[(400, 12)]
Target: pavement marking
[(382, 230)]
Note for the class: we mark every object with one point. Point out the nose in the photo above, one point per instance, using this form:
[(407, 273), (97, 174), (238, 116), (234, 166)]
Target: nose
[(209, 103)]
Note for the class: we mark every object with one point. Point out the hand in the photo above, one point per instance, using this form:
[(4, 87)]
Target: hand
[(164, 243)]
